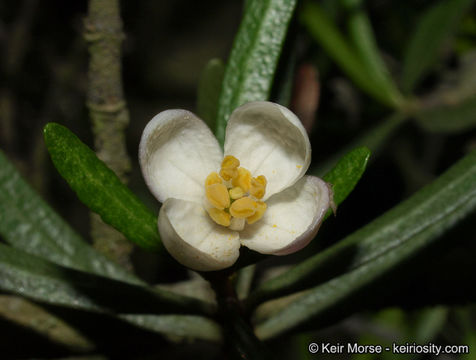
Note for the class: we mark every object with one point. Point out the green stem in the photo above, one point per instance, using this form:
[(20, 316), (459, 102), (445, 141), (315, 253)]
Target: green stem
[(108, 111)]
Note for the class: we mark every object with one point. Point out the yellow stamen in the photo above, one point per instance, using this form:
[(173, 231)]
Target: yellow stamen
[(260, 209), (236, 193), (213, 178), (221, 217), (229, 166), (243, 179), (243, 208), (258, 186), (217, 195)]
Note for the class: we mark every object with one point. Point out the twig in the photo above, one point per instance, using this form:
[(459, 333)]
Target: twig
[(108, 111)]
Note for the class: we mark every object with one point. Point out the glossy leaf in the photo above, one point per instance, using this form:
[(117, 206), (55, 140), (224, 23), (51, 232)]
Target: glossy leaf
[(369, 253), (209, 87), (32, 277), (29, 224), (100, 189), (253, 60), (326, 33), (347, 173), (433, 29)]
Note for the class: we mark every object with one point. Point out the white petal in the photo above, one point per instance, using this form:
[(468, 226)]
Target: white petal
[(269, 140), (291, 220), (177, 151), (193, 239)]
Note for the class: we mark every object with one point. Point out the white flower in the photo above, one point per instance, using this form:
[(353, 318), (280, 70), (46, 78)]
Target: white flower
[(257, 196)]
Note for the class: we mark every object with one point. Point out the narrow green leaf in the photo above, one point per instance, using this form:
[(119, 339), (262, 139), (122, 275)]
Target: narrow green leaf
[(250, 70), (18, 312), (369, 253), (29, 224), (243, 282), (100, 189), (30, 276), (433, 29), (347, 173), (344, 177), (452, 118), (209, 87), (325, 32), (185, 326), (364, 42), (429, 324)]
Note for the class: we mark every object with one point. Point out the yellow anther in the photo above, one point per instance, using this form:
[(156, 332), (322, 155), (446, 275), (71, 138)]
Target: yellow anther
[(236, 193), (229, 167), (230, 162), (258, 186), (233, 205), (217, 195), (221, 217), (243, 208), (260, 209), (213, 178), (243, 179)]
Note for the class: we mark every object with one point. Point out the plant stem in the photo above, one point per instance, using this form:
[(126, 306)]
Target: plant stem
[(108, 111), (240, 340)]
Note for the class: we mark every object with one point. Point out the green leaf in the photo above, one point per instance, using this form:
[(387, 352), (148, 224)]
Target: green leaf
[(209, 87), (17, 312), (99, 188), (429, 324), (186, 326), (29, 224), (253, 60), (325, 32), (347, 173), (373, 251), (344, 177), (364, 42), (244, 278), (433, 29), (32, 277), (454, 118)]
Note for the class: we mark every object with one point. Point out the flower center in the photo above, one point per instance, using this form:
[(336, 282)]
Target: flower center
[(234, 195)]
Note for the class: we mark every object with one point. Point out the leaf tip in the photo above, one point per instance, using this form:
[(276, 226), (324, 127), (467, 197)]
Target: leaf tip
[(48, 130)]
